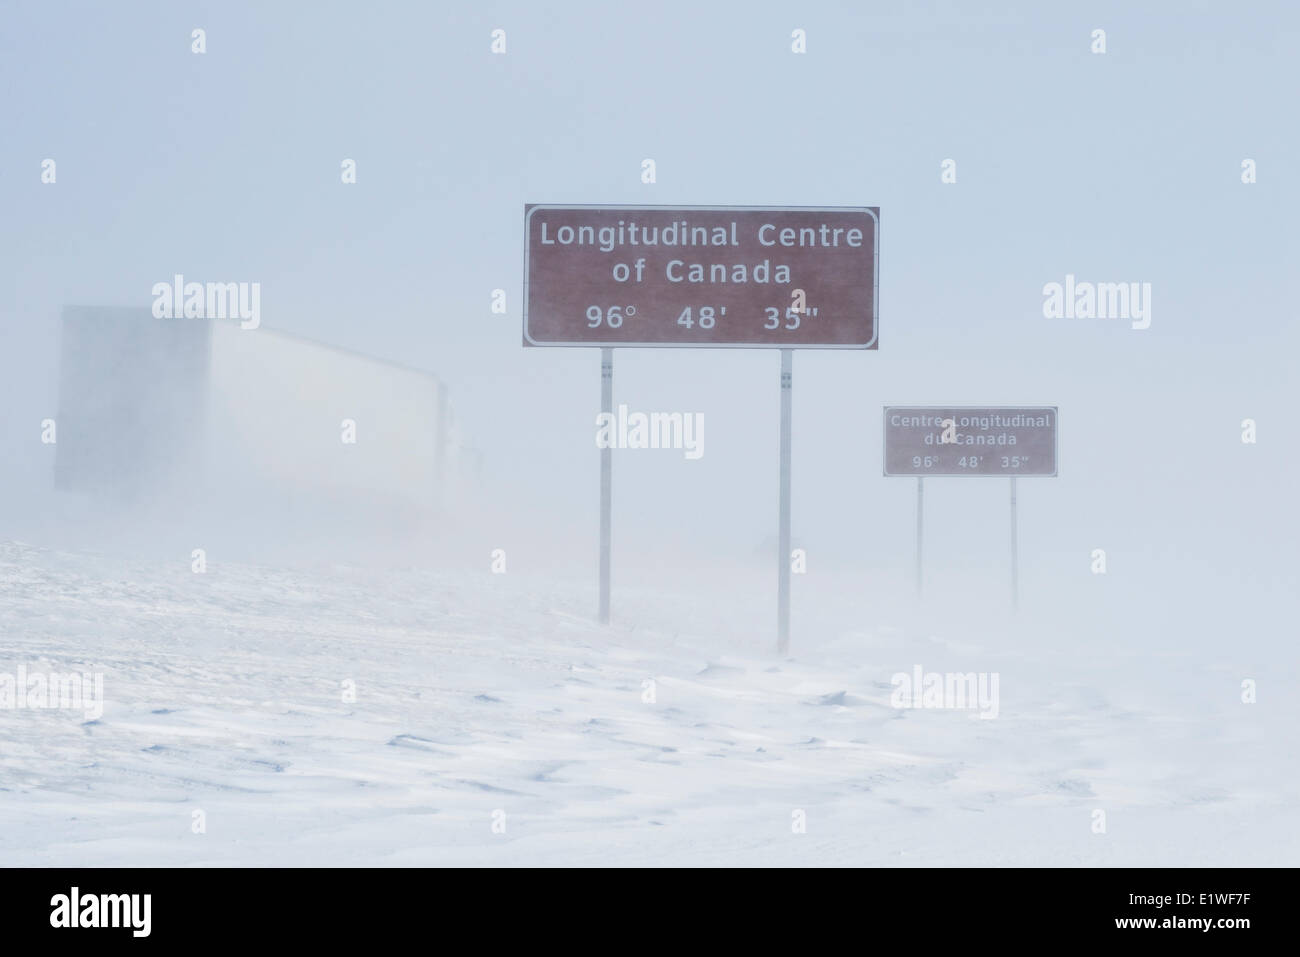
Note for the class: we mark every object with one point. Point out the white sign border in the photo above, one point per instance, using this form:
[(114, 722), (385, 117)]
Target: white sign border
[(1056, 443), (875, 284)]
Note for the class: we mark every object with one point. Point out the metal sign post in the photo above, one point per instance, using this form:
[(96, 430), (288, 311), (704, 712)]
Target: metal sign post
[(783, 521), (920, 504), (701, 277), (606, 481), (1015, 552), (972, 441)]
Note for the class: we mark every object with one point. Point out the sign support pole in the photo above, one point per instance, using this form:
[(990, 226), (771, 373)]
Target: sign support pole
[(1015, 552), (920, 504), (783, 532), (606, 479)]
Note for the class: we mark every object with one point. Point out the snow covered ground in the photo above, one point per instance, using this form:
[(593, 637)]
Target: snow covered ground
[(486, 699)]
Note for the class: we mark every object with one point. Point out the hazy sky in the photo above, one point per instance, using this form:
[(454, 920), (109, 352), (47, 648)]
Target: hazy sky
[(1117, 167)]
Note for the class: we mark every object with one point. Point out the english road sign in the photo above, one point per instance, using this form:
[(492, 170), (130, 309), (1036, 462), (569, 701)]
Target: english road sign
[(965, 440), (789, 277)]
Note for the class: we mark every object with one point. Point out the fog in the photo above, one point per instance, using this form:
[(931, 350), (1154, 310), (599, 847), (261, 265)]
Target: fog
[(1122, 167)]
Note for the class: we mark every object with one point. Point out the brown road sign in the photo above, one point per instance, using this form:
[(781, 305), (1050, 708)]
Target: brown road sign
[(963, 440), (790, 277)]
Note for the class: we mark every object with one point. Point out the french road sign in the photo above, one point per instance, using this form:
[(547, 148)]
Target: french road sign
[(791, 277), (968, 440)]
